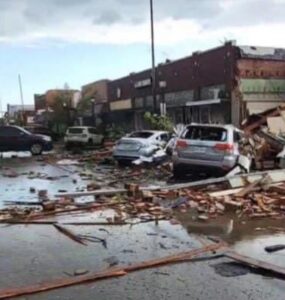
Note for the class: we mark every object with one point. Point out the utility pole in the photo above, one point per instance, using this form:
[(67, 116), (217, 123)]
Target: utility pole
[(22, 98), (153, 76)]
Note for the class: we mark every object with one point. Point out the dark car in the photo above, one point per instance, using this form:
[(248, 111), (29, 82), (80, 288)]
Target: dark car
[(14, 138), (35, 129)]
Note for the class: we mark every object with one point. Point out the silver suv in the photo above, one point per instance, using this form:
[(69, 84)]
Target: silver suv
[(206, 148)]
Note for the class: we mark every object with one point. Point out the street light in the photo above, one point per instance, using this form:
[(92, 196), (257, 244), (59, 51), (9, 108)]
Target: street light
[(153, 75)]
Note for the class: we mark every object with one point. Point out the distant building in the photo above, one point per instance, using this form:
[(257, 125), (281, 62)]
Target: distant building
[(97, 94), (20, 113), (49, 99)]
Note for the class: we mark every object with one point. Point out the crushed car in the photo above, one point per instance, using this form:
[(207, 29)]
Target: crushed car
[(141, 146)]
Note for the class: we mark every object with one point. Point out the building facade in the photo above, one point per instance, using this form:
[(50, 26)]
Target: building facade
[(221, 85)]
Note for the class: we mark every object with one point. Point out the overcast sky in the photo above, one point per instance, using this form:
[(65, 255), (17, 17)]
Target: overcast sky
[(51, 42)]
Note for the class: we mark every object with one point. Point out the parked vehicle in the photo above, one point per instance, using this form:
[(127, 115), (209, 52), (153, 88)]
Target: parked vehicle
[(139, 143), (206, 148), (37, 129), (83, 135), (14, 138)]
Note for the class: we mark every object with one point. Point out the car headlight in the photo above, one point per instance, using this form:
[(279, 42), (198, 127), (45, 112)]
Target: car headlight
[(46, 138)]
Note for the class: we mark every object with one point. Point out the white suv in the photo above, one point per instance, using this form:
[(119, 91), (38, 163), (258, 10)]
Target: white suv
[(83, 135)]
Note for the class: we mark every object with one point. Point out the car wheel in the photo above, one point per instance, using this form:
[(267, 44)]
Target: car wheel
[(178, 172), (123, 163), (90, 142), (36, 149)]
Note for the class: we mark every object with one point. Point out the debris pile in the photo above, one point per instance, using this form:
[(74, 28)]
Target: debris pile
[(265, 138), (257, 199)]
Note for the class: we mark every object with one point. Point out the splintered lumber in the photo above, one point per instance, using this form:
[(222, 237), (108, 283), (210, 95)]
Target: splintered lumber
[(109, 273), (41, 215), (278, 189), (252, 262), (70, 234), (276, 175), (59, 283), (24, 222), (93, 193), (259, 200), (249, 188), (176, 258)]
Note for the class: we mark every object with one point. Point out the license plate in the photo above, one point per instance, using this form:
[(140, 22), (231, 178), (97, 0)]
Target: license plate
[(128, 147), (198, 149)]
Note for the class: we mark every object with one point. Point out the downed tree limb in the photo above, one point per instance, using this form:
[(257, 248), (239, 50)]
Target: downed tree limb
[(70, 234), (109, 273)]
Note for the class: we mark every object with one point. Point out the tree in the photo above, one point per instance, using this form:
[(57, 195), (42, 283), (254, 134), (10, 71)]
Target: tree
[(157, 122)]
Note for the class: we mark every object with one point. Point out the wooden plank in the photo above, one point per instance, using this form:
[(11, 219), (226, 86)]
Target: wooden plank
[(256, 263), (249, 188), (59, 283), (93, 193), (109, 273), (70, 234), (276, 176)]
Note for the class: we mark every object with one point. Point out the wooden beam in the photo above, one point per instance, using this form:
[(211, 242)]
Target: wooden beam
[(109, 273), (250, 261)]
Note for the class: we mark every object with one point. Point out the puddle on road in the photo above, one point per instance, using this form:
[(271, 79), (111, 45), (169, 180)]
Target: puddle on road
[(247, 237)]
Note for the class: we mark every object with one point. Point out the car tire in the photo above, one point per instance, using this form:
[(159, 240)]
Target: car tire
[(178, 172), (90, 143), (36, 149), (67, 146), (123, 163)]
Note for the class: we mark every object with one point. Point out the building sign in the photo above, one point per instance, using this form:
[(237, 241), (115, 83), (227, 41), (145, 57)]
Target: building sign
[(121, 105), (262, 85), (143, 83)]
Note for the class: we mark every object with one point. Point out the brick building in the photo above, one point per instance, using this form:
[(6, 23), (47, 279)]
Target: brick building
[(221, 85)]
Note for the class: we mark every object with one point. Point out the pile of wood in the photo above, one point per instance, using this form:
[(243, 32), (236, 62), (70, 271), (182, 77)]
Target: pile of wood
[(264, 138), (258, 199)]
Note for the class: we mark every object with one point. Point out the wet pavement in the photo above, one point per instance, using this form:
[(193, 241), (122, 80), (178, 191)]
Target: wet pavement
[(34, 253)]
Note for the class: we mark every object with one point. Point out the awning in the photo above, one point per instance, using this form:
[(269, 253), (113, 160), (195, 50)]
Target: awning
[(203, 102)]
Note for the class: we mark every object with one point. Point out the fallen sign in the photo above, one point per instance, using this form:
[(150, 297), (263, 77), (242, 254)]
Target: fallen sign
[(109, 273)]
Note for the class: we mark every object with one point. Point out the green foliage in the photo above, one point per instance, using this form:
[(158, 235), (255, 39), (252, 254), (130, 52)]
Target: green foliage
[(84, 105), (157, 122), (114, 132)]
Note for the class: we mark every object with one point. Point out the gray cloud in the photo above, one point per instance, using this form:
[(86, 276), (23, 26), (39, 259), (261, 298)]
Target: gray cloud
[(19, 17), (108, 17)]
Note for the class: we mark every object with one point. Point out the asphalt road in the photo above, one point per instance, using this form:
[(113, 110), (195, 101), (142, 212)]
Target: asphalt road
[(36, 253)]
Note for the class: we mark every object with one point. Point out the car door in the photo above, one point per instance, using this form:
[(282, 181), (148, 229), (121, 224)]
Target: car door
[(13, 139), (4, 141)]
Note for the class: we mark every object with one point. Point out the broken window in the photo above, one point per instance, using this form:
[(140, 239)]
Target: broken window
[(204, 133), (141, 134)]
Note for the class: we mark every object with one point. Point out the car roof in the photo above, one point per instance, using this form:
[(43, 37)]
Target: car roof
[(81, 127), (226, 126), (151, 131)]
